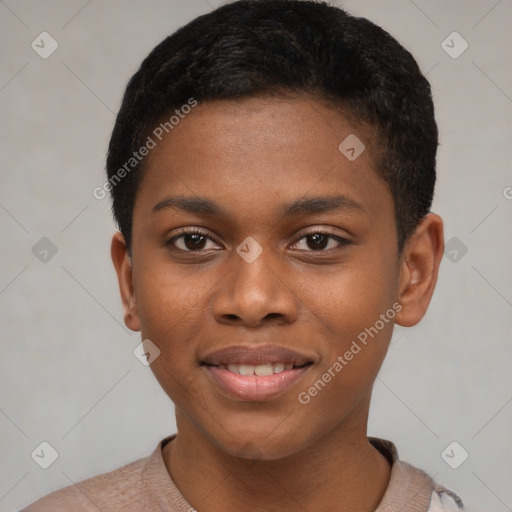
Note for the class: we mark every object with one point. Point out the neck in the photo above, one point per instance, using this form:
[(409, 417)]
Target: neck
[(340, 471)]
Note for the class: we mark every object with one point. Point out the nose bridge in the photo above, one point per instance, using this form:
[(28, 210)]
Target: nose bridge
[(254, 289), (256, 278)]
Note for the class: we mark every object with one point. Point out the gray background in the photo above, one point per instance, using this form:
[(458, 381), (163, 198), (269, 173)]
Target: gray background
[(67, 372)]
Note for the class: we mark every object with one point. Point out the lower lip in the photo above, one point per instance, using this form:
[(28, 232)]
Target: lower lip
[(252, 387)]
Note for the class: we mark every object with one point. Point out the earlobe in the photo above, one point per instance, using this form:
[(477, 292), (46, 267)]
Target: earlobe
[(420, 261), (123, 265)]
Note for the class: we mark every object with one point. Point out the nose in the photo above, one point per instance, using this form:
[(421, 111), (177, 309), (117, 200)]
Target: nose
[(255, 293)]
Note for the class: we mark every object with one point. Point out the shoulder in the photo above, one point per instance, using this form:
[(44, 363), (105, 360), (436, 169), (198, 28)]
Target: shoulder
[(106, 492), (444, 500), (412, 487), (436, 498)]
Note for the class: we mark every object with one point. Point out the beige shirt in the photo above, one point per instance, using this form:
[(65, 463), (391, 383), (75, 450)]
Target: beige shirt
[(146, 486)]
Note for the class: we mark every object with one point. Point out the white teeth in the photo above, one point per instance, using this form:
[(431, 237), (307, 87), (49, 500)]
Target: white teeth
[(261, 370), (246, 369), (278, 367)]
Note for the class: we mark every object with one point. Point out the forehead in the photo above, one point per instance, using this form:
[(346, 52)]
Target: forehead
[(300, 124), (263, 151)]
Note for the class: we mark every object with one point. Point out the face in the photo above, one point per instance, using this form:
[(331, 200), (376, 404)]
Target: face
[(260, 255)]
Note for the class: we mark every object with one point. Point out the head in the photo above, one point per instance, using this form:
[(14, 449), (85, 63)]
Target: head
[(245, 222)]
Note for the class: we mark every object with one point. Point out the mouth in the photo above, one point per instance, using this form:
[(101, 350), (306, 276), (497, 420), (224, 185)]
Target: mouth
[(255, 374), (260, 370)]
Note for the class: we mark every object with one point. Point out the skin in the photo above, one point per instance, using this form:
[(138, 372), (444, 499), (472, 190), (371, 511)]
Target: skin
[(251, 157)]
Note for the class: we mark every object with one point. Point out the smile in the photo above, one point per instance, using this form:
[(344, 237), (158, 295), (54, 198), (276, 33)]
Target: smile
[(255, 373), (252, 387), (260, 370)]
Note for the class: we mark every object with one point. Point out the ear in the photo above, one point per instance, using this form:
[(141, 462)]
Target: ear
[(123, 265), (419, 268)]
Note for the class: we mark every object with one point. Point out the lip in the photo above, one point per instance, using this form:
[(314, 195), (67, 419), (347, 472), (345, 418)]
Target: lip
[(251, 387), (240, 354)]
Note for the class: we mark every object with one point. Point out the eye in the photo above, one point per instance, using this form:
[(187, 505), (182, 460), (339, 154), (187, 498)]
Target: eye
[(191, 240), (321, 241)]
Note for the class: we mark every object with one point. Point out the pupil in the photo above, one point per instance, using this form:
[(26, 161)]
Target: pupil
[(319, 241), (197, 241)]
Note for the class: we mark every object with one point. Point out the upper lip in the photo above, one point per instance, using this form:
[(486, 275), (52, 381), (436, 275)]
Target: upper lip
[(256, 355)]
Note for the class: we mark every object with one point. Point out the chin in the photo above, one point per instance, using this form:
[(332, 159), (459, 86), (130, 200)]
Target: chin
[(261, 445)]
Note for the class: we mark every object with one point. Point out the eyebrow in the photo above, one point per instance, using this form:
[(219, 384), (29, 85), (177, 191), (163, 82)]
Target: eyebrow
[(303, 206)]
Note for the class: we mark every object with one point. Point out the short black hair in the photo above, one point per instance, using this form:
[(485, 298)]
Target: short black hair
[(251, 48)]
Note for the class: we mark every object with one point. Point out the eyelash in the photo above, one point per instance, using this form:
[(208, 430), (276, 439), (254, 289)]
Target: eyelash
[(197, 231)]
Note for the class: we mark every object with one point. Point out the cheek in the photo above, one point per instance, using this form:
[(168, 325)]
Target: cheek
[(171, 305), (171, 313), (354, 311), (166, 294), (351, 299)]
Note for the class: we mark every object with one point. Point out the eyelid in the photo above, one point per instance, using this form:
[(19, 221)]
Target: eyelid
[(190, 230), (342, 240), (322, 230)]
